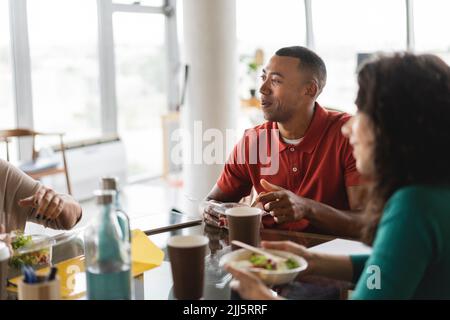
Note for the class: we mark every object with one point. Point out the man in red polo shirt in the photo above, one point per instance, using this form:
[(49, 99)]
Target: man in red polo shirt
[(298, 161)]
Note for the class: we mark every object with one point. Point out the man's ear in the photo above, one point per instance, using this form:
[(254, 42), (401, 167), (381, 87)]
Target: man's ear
[(312, 89)]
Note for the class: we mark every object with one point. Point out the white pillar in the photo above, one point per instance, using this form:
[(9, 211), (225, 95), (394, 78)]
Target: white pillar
[(22, 74), (212, 100)]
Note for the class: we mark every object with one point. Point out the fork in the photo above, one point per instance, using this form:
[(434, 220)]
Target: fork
[(269, 255)]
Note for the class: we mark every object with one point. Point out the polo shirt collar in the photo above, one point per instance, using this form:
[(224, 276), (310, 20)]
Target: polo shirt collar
[(312, 134)]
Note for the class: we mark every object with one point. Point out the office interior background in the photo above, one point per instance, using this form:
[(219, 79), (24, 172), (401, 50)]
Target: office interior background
[(110, 74)]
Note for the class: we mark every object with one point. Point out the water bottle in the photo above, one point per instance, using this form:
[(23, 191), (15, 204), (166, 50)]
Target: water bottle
[(110, 183), (107, 253)]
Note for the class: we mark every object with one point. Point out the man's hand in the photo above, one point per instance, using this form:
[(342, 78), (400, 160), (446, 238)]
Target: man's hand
[(215, 221), (283, 204), (213, 216), (48, 205)]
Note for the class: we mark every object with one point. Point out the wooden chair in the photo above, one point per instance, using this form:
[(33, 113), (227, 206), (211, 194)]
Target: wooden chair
[(34, 170)]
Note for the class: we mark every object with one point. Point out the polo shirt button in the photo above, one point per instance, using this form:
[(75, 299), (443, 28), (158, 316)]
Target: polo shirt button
[(294, 169), (292, 149)]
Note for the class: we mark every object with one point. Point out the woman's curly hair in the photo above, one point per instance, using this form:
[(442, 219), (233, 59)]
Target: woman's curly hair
[(407, 98)]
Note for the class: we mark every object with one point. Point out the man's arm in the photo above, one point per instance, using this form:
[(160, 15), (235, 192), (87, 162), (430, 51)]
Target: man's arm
[(286, 206), (339, 222), (217, 194)]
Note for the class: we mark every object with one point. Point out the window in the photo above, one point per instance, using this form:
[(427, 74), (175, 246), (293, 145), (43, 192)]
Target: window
[(152, 3), (7, 118), (64, 67), (141, 88), (343, 29), (431, 25), (267, 25)]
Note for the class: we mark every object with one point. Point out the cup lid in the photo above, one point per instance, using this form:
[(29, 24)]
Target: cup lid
[(109, 183), (187, 241), (243, 211), (4, 251)]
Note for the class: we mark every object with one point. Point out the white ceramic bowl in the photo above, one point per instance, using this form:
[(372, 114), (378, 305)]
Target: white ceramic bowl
[(269, 277)]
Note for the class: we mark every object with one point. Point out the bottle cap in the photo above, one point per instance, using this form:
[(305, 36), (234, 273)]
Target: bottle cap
[(109, 183)]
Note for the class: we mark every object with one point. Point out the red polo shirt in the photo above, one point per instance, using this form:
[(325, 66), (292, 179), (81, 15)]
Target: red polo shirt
[(320, 167)]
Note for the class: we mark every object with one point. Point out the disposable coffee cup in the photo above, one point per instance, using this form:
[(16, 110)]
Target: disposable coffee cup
[(4, 259), (243, 225), (187, 259)]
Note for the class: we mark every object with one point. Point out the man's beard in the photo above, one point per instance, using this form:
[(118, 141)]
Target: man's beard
[(277, 115)]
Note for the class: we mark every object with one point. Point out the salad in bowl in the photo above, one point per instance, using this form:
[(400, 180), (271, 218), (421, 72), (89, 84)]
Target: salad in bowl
[(271, 272), (32, 250)]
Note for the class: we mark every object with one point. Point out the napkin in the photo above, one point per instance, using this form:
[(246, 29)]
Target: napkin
[(145, 255)]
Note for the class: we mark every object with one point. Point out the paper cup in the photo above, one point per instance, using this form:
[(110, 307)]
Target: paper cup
[(187, 258), (244, 225)]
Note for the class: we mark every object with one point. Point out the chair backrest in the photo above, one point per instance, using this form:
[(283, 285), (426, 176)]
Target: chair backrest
[(5, 136), (17, 133)]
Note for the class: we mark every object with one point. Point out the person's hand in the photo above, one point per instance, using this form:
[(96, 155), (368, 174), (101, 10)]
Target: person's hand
[(294, 248), (283, 204), (219, 220), (248, 285), (5, 237), (215, 221), (48, 205), (211, 216)]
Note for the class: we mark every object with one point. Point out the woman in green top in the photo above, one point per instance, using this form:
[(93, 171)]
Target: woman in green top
[(400, 136)]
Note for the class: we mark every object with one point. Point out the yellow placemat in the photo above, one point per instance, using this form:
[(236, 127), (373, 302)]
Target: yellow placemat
[(145, 255)]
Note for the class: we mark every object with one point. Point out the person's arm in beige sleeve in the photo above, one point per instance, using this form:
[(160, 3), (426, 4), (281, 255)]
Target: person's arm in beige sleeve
[(25, 199), (57, 211)]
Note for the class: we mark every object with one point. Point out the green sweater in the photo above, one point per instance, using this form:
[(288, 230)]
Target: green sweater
[(411, 248)]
